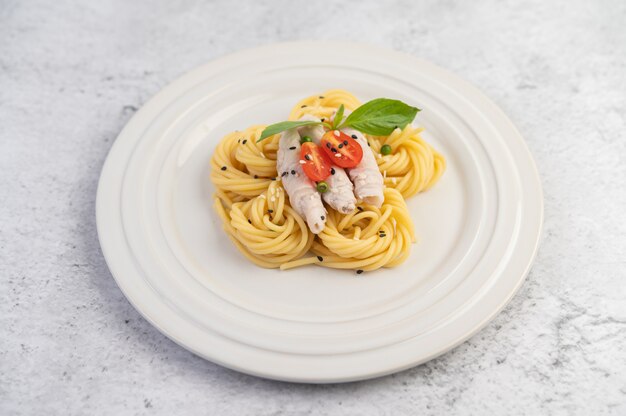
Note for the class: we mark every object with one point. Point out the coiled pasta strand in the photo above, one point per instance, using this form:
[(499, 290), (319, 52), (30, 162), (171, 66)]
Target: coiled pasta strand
[(242, 168), (368, 238), (413, 166), (265, 228), (324, 105)]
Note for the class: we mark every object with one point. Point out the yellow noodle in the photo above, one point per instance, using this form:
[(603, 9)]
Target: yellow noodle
[(367, 239), (258, 219), (413, 166), (324, 105), (265, 228), (238, 158)]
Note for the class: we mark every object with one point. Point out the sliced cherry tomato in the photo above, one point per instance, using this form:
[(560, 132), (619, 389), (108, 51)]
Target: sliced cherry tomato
[(316, 164), (342, 149)]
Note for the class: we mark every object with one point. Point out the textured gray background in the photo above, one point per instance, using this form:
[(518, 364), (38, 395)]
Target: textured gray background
[(72, 74)]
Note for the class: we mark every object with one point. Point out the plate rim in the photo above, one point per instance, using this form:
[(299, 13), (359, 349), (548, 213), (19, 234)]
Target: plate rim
[(470, 89)]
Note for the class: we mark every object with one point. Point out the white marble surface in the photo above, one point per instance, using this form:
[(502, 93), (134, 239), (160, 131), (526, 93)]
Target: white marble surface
[(73, 73)]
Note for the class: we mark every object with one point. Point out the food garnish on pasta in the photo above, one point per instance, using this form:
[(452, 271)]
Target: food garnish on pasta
[(328, 186)]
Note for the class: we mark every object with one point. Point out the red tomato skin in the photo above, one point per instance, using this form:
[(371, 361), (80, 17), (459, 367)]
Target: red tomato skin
[(317, 167), (349, 149)]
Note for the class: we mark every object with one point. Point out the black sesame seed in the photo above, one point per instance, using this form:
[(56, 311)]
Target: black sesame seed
[(238, 140), (302, 106), (249, 222), (333, 150), (332, 171), (383, 235), (360, 209), (293, 172), (345, 142), (320, 258), (270, 211), (292, 148), (368, 143), (256, 176), (328, 145), (284, 174), (273, 179), (340, 145), (322, 120), (307, 157), (323, 218), (359, 271), (321, 96), (223, 167), (354, 136), (245, 141)]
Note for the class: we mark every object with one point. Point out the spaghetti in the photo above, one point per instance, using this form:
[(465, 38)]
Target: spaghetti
[(259, 220)]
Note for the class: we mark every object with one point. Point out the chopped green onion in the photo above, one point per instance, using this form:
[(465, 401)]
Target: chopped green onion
[(305, 139), (322, 187), (385, 150)]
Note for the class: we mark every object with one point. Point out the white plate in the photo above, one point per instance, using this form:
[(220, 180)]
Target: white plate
[(478, 227)]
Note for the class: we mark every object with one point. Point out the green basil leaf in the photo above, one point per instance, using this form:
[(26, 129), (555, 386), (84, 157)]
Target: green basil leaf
[(284, 125), (381, 116), (338, 116)]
